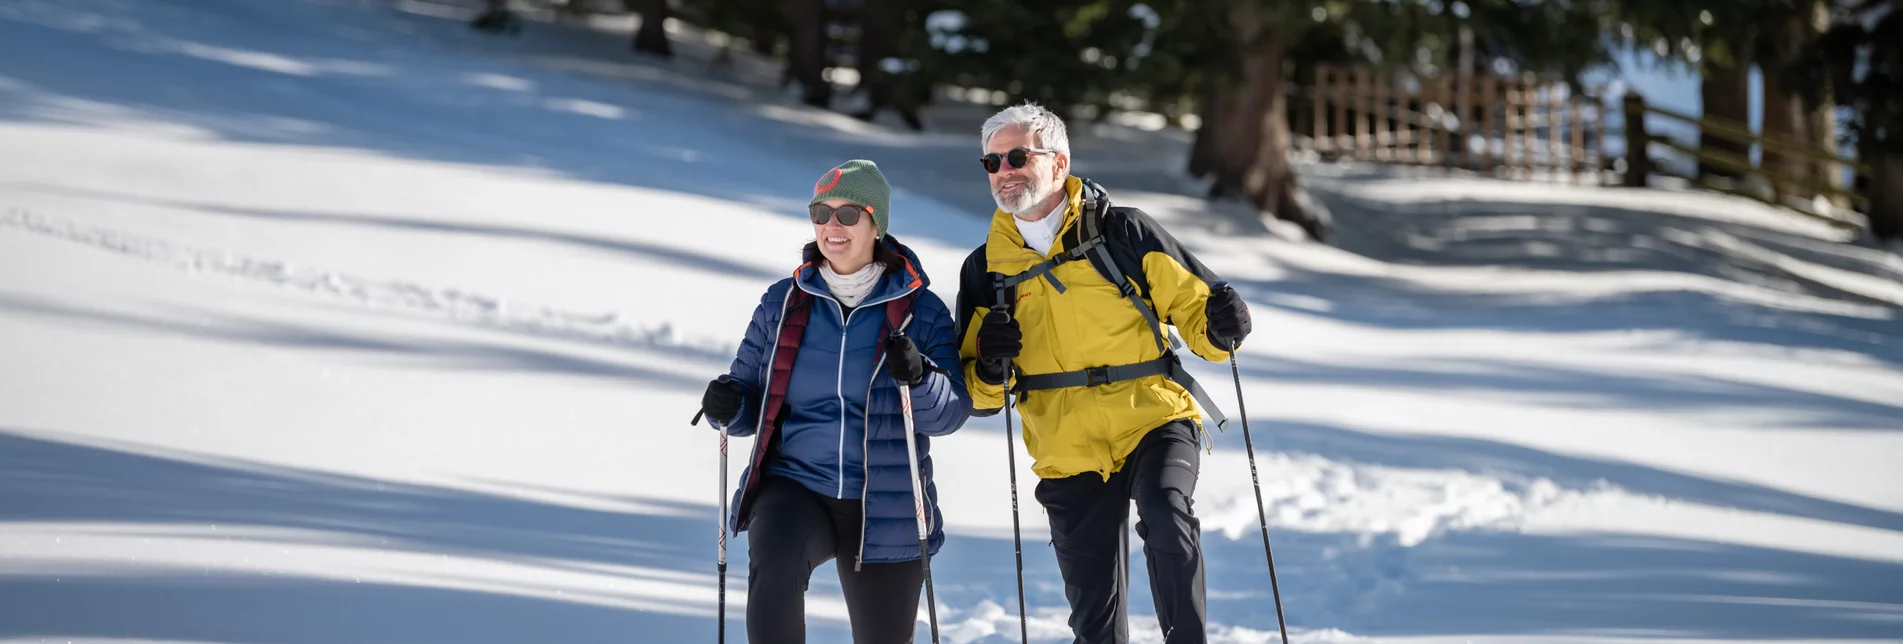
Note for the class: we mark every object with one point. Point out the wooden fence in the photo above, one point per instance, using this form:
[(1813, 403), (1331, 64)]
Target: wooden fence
[(1530, 128), (1785, 186), (1520, 128)]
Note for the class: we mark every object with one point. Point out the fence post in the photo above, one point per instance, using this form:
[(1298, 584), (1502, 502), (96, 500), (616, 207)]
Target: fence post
[(1363, 129), (1446, 90), (1576, 152), (1599, 166), (1529, 128), (1323, 73), (1383, 128), (1341, 134), (1637, 164), (1555, 128), (1489, 92), (1463, 100), (1509, 126)]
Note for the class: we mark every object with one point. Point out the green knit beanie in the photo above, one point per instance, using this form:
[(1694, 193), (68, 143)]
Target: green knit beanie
[(858, 181)]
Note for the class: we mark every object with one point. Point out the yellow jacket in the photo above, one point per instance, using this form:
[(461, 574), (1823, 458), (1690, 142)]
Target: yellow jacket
[(1075, 430)]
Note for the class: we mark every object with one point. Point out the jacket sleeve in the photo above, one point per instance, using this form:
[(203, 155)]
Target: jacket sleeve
[(975, 296), (1179, 284), (750, 365), (940, 405)]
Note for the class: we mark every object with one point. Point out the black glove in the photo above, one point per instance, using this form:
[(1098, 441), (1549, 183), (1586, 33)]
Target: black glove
[(722, 400), (903, 361), (1228, 318), (999, 340)]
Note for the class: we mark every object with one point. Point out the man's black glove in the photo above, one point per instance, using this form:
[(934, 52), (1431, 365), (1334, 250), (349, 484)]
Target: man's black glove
[(903, 361), (722, 400), (1228, 318), (999, 341)]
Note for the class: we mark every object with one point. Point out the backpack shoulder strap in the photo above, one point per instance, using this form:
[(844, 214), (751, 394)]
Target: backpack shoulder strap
[(899, 312), (1098, 246)]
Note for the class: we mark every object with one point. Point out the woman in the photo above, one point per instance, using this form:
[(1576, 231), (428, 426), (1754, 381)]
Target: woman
[(817, 378)]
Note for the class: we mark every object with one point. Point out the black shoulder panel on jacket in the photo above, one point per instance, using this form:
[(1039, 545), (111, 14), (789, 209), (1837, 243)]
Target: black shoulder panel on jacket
[(974, 289), (1139, 235)]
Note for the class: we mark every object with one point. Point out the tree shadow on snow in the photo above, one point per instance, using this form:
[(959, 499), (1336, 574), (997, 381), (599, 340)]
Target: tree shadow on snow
[(1519, 465), (432, 352), (1760, 285), (1473, 583), (315, 74), (1502, 583), (1596, 388), (49, 479), (642, 250)]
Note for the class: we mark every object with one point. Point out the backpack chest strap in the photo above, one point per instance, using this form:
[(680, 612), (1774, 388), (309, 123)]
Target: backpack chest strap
[(1043, 269)]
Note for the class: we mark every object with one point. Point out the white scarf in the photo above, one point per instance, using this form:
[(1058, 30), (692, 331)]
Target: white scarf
[(1040, 234), (852, 288)]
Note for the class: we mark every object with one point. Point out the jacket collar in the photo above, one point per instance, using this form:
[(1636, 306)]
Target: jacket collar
[(891, 286)]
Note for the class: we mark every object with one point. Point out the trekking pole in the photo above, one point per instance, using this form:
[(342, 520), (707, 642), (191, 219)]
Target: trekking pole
[(918, 508), (1261, 513), (1017, 542), (721, 522)]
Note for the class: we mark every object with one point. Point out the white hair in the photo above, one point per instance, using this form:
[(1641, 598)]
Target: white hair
[(1043, 124)]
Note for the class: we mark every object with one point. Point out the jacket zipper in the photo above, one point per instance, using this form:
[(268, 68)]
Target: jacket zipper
[(865, 447), (839, 392)]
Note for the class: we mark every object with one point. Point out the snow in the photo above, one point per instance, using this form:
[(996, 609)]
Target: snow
[(334, 321)]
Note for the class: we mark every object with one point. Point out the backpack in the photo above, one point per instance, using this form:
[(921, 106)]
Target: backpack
[(1093, 246)]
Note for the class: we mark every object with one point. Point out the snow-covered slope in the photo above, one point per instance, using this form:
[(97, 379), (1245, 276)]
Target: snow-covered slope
[(331, 321)]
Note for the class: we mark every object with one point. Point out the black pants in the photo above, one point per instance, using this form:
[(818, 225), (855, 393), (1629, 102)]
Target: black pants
[(1088, 516), (793, 531)]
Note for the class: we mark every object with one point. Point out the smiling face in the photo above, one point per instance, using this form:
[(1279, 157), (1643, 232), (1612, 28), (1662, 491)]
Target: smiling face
[(846, 248), (1026, 191)]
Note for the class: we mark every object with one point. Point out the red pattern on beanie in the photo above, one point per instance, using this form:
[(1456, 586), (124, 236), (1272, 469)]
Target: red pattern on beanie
[(823, 184)]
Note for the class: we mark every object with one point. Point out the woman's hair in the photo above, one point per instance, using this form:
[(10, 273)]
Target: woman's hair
[(882, 253)]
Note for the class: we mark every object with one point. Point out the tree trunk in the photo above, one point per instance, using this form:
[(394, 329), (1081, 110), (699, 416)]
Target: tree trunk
[(879, 26), (1785, 118), (806, 26), (1822, 118), (1251, 133), (1209, 114), (651, 38), (1786, 110), (1823, 131), (1886, 196), (1726, 93)]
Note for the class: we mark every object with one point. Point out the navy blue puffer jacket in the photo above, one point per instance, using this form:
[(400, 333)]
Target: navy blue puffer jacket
[(841, 431)]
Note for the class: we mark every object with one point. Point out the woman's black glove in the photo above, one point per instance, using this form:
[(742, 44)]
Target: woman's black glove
[(723, 399), (903, 361)]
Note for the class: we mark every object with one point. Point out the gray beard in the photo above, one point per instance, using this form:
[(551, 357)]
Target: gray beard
[(1027, 199)]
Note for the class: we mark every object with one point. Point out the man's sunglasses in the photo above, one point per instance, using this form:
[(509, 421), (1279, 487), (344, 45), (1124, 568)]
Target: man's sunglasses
[(1017, 157), (848, 214)]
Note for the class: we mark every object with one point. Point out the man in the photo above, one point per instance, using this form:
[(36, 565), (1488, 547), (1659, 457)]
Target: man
[(1108, 415)]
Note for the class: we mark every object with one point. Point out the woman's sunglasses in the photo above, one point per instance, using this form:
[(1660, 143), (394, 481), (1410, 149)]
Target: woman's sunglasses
[(848, 214), (1017, 157)]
